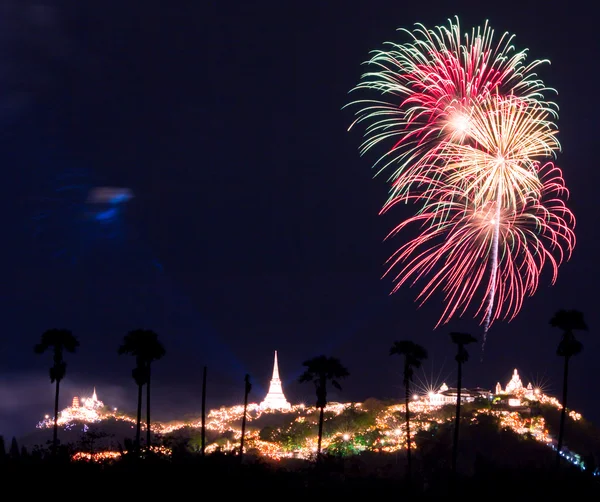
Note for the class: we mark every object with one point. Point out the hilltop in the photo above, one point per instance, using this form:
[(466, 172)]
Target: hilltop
[(495, 429)]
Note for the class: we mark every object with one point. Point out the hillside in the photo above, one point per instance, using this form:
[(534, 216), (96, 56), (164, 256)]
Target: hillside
[(492, 430)]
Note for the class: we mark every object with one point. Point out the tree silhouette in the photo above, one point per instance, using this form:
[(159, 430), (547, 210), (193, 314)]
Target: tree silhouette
[(320, 370), (59, 341), (413, 354), (462, 356), (568, 321), (15, 452), (90, 439), (144, 345)]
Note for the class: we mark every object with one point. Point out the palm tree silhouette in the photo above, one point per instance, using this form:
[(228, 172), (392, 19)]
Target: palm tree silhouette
[(320, 370), (462, 356), (59, 340), (413, 355), (568, 321), (144, 345)]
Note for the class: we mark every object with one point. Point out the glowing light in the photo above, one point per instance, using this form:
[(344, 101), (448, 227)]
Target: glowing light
[(460, 122)]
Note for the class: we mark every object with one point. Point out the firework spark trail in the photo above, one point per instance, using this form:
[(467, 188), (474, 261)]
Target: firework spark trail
[(494, 273), (452, 252)]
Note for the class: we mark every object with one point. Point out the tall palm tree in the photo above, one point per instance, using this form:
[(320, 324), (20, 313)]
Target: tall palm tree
[(140, 377), (413, 354), (60, 341), (320, 370), (247, 389), (462, 356), (144, 345), (568, 321)]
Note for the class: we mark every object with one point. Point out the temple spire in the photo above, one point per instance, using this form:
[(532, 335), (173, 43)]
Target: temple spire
[(275, 399), (275, 369)]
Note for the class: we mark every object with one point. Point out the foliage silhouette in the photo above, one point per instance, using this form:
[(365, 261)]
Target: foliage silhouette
[(462, 356), (413, 354), (59, 341), (567, 321), (320, 370), (14, 453), (144, 345)]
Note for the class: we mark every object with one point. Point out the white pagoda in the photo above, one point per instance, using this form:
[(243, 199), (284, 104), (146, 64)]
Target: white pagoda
[(275, 400)]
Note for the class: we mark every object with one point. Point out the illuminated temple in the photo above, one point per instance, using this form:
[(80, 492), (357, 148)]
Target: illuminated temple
[(513, 393), (449, 395), (85, 409), (515, 390), (275, 400)]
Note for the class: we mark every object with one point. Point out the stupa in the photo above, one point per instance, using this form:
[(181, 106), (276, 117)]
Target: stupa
[(275, 400)]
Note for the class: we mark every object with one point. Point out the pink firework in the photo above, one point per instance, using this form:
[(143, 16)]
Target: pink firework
[(457, 249)]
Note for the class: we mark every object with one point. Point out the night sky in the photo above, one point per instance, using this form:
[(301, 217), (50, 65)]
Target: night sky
[(254, 226)]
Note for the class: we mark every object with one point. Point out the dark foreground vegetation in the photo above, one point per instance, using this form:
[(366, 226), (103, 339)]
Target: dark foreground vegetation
[(494, 464), (224, 476)]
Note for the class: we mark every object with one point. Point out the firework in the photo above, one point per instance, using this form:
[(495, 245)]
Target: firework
[(473, 252), (470, 139), (498, 156), (430, 87)]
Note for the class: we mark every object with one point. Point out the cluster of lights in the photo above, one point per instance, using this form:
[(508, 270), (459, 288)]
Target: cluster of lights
[(101, 456), (91, 410), (513, 420), (105, 456), (555, 402), (389, 434)]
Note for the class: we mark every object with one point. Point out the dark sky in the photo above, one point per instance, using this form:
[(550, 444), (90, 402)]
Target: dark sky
[(255, 224)]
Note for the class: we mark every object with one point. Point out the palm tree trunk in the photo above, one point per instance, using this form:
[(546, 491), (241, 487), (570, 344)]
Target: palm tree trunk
[(139, 420), (456, 422), (407, 414), (55, 431), (563, 413), (320, 437), (203, 429), (148, 430), (243, 425)]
